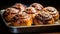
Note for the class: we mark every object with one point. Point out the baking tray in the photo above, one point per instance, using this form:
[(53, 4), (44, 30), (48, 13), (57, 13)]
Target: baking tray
[(33, 28)]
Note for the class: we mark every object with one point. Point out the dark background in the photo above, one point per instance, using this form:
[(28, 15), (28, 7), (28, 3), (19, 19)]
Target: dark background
[(7, 3)]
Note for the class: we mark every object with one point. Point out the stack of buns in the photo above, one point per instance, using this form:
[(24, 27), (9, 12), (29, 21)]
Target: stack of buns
[(21, 15)]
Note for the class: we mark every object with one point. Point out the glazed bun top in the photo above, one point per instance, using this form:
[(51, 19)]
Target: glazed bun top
[(51, 10), (37, 6), (14, 15), (9, 13), (11, 10), (19, 6), (44, 16), (30, 10), (21, 17)]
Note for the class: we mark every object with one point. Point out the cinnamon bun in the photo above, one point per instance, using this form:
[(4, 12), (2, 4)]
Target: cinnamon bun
[(10, 13), (19, 6), (43, 18), (31, 11), (37, 6), (53, 11), (22, 19)]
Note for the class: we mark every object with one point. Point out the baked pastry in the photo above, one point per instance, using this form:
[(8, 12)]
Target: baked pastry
[(31, 11), (19, 15), (10, 13), (53, 11), (19, 6), (43, 18), (37, 6), (16, 18), (22, 19)]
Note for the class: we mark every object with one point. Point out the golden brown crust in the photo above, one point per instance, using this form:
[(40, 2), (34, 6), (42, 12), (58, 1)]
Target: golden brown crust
[(16, 18), (39, 22), (10, 13), (44, 15), (21, 20), (31, 11), (43, 18), (53, 11), (56, 16), (37, 6), (19, 6), (36, 22)]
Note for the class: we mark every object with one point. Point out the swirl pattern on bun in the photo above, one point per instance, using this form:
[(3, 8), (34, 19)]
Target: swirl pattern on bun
[(22, 19), (37, 6), (19, 6), (31, 11), (43, 18), (10, 13), (53, 11)]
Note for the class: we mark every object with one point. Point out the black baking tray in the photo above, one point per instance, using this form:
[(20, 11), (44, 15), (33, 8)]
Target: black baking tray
[(33, 28)]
